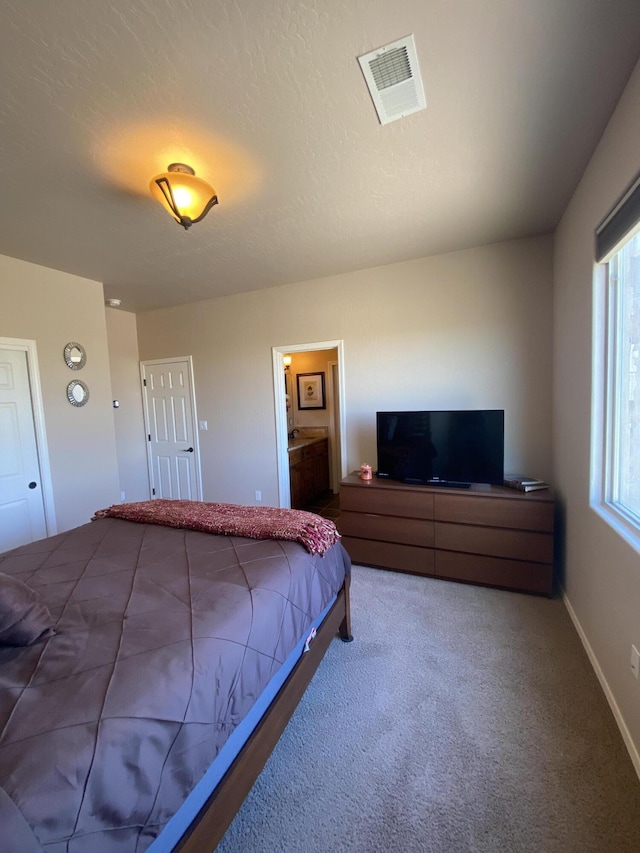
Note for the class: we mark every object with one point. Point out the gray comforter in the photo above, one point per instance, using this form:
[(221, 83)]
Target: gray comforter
[(164, 639)]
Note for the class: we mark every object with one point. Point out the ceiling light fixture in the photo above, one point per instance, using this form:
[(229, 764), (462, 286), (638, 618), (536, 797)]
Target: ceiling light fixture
[(187, 198)]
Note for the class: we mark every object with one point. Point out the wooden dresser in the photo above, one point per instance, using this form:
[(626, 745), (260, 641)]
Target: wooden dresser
[(486, 534)]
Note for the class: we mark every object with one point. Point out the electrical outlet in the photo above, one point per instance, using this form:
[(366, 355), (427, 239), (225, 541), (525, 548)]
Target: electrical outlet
[(635, 662), (122, 497), (258, 496)]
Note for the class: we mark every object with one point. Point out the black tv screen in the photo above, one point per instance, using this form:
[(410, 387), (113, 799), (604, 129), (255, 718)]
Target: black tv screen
[(441, 447)]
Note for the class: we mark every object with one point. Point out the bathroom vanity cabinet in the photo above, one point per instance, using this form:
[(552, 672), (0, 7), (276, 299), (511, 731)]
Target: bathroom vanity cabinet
[(308, 470)]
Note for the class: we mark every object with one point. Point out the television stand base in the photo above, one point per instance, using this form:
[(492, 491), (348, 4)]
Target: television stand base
[(449, 484)]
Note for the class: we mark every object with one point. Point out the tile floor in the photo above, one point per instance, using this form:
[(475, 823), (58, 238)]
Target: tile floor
[(327, 505)]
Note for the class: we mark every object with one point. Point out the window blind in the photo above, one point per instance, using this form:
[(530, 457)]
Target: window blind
[(619, 222)]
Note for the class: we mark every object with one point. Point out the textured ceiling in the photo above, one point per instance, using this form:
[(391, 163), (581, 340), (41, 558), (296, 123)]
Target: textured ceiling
[(265, 98)]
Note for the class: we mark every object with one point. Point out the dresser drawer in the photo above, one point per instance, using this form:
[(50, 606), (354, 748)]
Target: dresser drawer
[(386, 555), (510, 574), (380, 501), (518, 512), (386, 528), (493, 542)]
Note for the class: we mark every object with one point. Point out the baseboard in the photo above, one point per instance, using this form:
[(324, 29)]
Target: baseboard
[(624, 731)]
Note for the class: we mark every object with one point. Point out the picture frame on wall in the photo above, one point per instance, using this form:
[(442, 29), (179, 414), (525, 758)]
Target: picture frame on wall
[(311, 394)]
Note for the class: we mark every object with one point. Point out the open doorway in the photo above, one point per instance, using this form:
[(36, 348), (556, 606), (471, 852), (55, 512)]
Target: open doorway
[(319, 363)]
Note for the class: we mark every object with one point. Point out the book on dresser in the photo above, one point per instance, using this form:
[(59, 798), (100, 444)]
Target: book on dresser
[(524, 484)]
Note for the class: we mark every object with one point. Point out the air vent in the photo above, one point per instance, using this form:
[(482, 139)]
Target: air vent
[(393, 77)]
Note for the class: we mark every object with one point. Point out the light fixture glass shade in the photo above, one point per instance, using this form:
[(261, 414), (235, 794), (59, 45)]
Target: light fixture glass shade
[(187, 198), (286, 360)]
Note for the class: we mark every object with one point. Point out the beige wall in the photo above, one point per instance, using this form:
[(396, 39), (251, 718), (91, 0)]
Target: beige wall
[(54, 308), (602, 572), (470, 329), (128, 417)]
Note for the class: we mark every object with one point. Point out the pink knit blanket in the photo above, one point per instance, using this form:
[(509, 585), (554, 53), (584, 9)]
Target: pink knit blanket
[(315, 533)]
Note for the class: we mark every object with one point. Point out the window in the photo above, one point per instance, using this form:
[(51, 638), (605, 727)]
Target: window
[(617, 368), (624, 396)]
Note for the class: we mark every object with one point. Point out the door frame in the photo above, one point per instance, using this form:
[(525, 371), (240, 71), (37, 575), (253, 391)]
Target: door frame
[(194, 419), (282, 455), (37, 407), (334, 427)]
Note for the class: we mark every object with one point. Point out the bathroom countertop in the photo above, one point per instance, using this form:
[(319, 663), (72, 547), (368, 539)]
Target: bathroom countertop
[(295, 443)]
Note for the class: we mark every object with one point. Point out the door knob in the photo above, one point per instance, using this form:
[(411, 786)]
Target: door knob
[(32, 485), (188, 450)]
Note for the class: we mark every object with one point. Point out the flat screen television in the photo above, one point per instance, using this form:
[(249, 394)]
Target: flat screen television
[(441, 448)]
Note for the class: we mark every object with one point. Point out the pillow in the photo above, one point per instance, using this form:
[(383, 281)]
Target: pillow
[(24, 619)]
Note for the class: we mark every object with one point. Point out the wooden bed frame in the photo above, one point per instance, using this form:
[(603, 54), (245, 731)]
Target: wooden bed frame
[(212, 821)]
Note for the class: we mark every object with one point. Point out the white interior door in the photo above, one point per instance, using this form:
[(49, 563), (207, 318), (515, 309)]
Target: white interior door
[(170, 415), (22, 513)]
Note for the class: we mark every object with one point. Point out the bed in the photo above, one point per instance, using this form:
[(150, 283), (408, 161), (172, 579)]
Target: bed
[(170, 663)]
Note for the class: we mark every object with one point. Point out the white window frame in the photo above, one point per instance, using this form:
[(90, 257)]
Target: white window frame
[(606, 405)]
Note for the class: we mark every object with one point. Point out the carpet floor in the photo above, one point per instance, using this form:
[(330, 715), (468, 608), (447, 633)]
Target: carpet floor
[(460, 720)]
